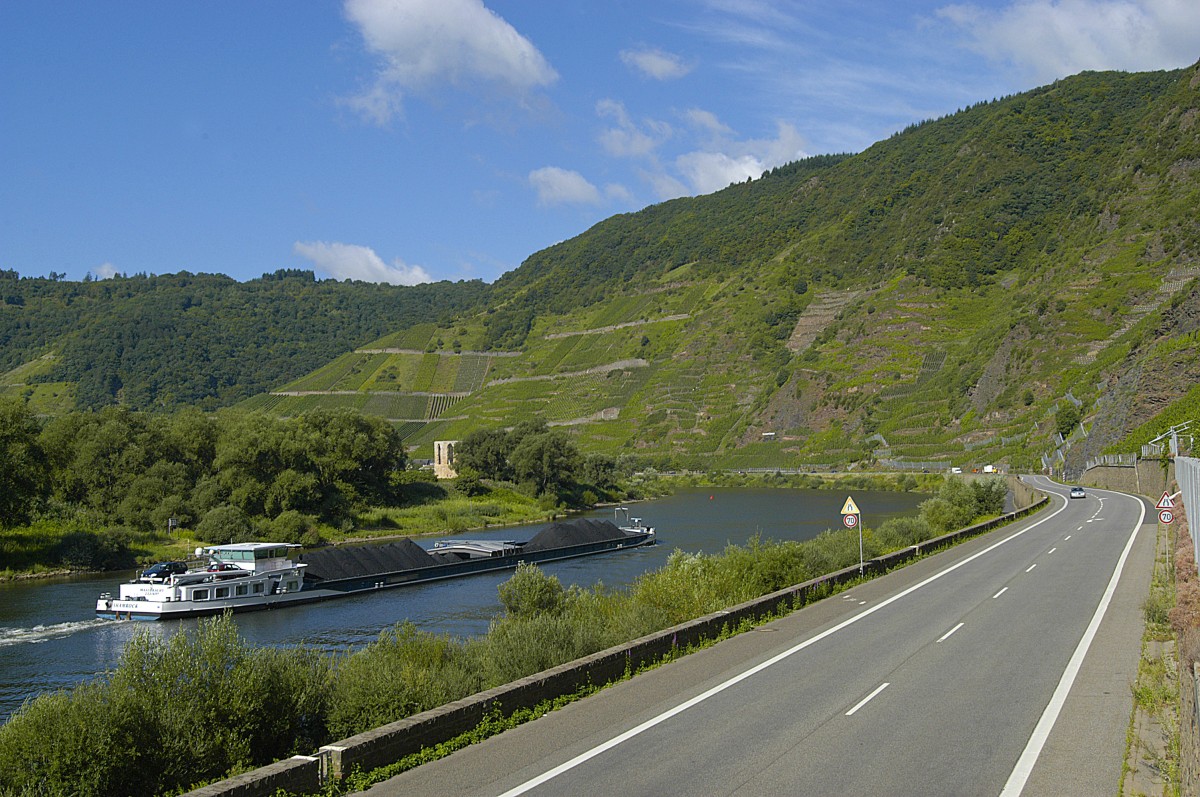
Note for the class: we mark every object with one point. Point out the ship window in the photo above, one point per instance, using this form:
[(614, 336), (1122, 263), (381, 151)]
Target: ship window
[(222, 592), (292, 585), (241, 589), (258, 588), (200, 594)]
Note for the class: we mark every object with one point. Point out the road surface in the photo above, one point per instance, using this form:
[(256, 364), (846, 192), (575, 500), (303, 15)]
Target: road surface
[(1002, 666)]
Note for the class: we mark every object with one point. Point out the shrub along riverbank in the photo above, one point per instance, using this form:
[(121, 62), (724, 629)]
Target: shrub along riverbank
[(190, 709)]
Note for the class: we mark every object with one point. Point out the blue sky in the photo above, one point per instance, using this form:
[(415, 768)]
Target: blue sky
[(405, 141)]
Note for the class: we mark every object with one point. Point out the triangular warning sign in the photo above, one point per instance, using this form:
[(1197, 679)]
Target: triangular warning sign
[(1165, 502), (849, 508)]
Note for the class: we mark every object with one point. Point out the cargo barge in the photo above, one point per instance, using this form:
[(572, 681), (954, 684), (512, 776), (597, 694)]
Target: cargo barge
[(262, 575)]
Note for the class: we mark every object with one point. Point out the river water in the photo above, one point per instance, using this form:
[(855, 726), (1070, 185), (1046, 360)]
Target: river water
[(50, 638)]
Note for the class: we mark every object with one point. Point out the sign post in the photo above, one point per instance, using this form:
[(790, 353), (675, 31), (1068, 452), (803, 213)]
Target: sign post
[(1166, 507), (850, 518)]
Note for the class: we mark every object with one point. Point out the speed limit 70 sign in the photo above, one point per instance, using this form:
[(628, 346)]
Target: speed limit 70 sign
[(1166, 517)]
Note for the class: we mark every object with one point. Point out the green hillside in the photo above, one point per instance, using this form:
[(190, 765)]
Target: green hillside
[(192, 339), (956, 294), (933, 300)]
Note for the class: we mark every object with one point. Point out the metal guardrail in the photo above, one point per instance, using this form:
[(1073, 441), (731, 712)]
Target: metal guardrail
[(1187, 474), (1112, 461)]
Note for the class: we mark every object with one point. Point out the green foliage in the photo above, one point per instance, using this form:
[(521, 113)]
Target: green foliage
[(485, 451), (225, 524), (202, 339), (404, 672), (546, 459), (529, 591), (1066, 419), (138, 732), (87, 550), (24, 466)]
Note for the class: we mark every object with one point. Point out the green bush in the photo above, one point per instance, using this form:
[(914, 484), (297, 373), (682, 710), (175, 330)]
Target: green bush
[(225, 524), (87, 550), (531, 592), (175, 712), (296, 527), (404, 672)]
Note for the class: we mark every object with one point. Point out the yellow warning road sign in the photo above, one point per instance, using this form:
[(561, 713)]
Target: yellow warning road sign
[(850, 508)]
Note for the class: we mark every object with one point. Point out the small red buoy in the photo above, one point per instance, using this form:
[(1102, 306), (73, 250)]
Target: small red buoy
[(710, 498)]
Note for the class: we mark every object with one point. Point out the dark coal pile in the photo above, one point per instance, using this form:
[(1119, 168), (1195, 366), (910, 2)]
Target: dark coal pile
[(574, 532), (365, 560)]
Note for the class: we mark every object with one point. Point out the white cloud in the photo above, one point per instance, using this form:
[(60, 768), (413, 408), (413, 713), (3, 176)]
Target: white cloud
[(557, 186), (733, 161), (664, 185), (712, 171), (105, 271), (627, 139), (655, 63), (350, 261), (707, 120), (426, 43), (1050, 39), (618, 192)]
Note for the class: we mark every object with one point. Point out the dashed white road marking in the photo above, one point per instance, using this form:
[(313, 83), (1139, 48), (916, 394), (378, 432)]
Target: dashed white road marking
[(868, 698)]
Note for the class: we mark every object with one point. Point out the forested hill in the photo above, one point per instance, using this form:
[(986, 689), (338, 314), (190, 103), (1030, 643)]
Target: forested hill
[(993, 187), (193, 339)]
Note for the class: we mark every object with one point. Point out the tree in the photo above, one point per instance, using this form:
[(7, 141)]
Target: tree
[(224, 524), (486, 452), (1065, 419), (598, 470), (546, 460), (24, 466)]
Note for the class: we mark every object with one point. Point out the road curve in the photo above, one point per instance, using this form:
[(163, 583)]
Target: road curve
[(999, 667)]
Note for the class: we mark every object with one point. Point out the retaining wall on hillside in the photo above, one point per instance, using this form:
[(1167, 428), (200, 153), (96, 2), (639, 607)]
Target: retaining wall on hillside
[(389, 743), (1148, 478)]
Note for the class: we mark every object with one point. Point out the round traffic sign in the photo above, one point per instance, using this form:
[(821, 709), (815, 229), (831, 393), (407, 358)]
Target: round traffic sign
[(850, 520), (1166, 516)]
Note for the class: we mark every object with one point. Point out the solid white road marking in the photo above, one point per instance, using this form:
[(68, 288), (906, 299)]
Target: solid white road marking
[(1041, 732), (946, 635), (868, 698), (588, 755)]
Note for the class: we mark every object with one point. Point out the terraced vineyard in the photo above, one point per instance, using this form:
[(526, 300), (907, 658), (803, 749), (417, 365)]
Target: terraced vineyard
[(932, 300)]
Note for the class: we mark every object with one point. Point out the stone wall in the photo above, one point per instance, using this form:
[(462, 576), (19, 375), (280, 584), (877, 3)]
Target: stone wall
[(443, 459)]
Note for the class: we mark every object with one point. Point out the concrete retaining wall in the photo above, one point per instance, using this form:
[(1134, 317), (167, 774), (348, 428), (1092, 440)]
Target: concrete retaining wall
[(300, 775), (389, 743), (1148, 478), (1189, 729)]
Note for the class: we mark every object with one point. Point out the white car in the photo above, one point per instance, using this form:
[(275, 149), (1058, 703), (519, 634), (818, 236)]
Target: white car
[(1077, 492)]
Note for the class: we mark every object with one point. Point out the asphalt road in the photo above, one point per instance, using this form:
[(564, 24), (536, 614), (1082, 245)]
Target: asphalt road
[(1002, 666)]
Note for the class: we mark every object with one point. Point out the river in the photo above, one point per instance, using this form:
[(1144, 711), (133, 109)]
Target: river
[(50, 638)]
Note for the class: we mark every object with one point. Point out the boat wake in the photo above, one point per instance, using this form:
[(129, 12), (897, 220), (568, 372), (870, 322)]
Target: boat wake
[(42, 633)]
